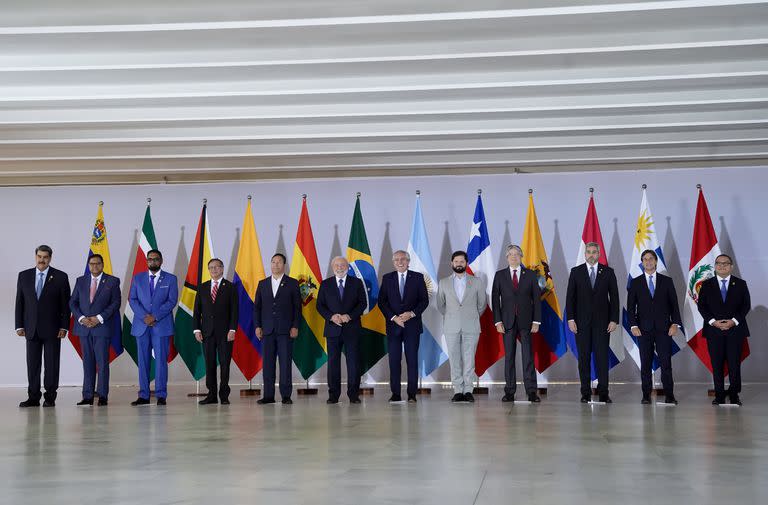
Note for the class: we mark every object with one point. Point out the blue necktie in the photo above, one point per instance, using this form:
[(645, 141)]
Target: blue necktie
[(39, 285), (723, 289), (402, 285), (651, 287), (341, 288), (152, 285), (592, 276)]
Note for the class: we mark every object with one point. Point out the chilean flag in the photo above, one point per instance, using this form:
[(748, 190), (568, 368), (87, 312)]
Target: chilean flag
[(490, 348)]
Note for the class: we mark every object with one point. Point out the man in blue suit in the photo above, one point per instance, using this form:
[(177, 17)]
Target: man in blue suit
[(153, 296), (402, 298), (276, 313), (341, 301), (95, 302)]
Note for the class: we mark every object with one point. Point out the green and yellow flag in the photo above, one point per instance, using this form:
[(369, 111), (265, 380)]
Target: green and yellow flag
[(190, 350), (373, 340), (309, 349)]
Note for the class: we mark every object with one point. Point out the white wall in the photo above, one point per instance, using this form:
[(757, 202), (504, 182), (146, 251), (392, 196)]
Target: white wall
[(63, 217)]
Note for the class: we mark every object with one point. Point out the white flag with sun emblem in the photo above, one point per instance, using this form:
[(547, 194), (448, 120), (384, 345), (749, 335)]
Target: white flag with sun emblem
[(645, 238)]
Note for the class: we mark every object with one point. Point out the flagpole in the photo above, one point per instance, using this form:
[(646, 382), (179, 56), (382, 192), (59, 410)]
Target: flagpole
[(307, 391), (477, 389), (197, 392), (365, 391), (421, 390)]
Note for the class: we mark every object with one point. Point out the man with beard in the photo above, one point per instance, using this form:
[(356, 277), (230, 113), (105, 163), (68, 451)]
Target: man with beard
[(461, 299)]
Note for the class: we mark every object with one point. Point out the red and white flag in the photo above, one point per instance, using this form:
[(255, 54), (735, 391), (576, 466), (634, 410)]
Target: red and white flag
[(704, 250)]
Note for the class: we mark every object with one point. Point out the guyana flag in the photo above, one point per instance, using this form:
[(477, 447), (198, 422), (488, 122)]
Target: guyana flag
[(309, 349), (549, 341), (373, 341), (147, 242), (188, 347), (99, 245)]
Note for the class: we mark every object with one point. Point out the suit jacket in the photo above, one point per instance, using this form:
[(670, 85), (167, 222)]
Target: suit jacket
[(106, 303), (587, 306), (415, 299), (354, 304), (215, 319), (160, 304), (461, 316), (736, 306), (278, 313), (521, 305), (50, 313), (657, 313)]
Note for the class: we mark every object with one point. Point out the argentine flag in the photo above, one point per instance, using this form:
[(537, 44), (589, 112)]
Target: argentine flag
[(432, 351)]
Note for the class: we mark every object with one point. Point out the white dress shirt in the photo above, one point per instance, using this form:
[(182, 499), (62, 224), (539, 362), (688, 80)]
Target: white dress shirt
[(719, 287), (276, 284)]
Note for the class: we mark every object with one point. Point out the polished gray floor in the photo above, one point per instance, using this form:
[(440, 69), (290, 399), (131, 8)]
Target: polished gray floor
[(433, 452)]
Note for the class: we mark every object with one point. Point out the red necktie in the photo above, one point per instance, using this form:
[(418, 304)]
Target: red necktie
[(515, 282), (214, 291)]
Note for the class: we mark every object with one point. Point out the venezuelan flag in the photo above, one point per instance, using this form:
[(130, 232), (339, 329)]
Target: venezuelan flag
[(99, 245), (549, 341), (249, 270)]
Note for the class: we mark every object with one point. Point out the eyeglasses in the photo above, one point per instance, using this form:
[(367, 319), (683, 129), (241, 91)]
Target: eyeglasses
[(722, 263)]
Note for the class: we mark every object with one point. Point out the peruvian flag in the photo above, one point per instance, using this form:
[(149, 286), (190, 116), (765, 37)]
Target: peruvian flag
[(592, 233), (490, 348), (704, 250)]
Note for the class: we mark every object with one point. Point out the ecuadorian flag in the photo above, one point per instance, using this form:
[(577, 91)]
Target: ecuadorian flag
[(309, 349), (373, 341), (549, 341), (99, 245)]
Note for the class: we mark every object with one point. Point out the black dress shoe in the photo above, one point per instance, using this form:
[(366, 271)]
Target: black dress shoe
[(355, 400), (458, 397), (735, 400), (411, 398), (719, 400), (85, 402), (49, 403), (508, 398), (605, 398), (265, 401), (646, 400), (469, 398), (225, 401), (102, 401), (534, 398), (395, 398), (140, 401), (332, 401), (287, 401), (161, 401), (585, 398), (208, 400), (29, 403), (670, 399)]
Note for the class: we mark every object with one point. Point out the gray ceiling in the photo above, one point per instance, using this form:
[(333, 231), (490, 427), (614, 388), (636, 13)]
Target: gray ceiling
[(106, 91)]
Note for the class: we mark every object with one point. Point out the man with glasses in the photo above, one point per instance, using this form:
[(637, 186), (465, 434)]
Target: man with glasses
[(723, 304)]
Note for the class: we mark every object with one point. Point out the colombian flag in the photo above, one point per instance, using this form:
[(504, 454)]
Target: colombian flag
[(549, 341), (249, 270), (99, 245), (309, 348)]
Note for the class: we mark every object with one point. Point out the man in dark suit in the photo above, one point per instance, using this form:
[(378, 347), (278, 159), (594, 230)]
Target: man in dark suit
[(723, 304), (42, 317), (95, 303), (402, 299), (153, 296), (592, 305), (341, 301), (654, 318), (214, 323), (276, 313), (516, 304)]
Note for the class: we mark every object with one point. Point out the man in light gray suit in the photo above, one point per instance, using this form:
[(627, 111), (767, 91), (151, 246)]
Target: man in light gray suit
[(461, 299)]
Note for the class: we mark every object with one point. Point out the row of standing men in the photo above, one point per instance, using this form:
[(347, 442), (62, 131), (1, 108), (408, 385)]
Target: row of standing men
[(44, 304)]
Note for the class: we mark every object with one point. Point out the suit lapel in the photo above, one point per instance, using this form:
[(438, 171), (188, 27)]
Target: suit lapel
[(100, 287)]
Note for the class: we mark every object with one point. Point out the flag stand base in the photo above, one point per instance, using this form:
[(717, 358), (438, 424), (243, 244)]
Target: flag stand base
[(250, 392), (542, 391), (306, 391), (658, 391), (424, 391), (478, 390), (710, 393), (196, 395), (366, 391)]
